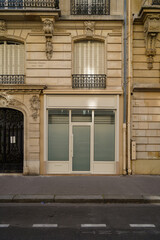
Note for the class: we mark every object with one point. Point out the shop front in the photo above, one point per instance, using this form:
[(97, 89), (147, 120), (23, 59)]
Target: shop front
[(82, 134)]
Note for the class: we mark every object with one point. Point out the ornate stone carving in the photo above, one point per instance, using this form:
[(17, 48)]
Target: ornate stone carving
[(151, 30), (89, 28), (7, 100), (2, 26), (48, 29), (35, 106)]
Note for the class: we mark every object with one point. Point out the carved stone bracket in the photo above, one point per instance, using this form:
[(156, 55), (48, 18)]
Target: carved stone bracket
[(48, 28), (151, 30), (2, 26), (89, 28), (35, 106)]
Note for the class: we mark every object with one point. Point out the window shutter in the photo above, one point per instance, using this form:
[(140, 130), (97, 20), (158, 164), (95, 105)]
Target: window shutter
[(89, 57), (21, 59)]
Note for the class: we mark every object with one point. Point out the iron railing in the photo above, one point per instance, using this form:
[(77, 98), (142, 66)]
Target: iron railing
[(155, 2), (24, 4), (90, 7), (148, 3), (88, 81), (11, 79)]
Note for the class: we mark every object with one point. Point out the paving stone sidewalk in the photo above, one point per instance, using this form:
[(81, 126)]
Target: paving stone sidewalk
[(80, 189)]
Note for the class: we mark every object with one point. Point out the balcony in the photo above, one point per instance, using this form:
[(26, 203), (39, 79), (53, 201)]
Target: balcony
[(90, 7), (88, 81), (11, 79), (151, 2), (25, 4)]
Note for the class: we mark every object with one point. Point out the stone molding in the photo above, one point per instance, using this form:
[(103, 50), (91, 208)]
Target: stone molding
[(48, 28), (151, 30)]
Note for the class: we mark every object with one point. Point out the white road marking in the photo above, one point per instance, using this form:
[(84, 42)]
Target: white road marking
[(45, 225), (143, 225), (4, 225), (93, 225)]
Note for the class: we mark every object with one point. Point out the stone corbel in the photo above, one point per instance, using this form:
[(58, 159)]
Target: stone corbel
[(2, 26), (35, 106), (151, 30), (89, 29), (48, 28)]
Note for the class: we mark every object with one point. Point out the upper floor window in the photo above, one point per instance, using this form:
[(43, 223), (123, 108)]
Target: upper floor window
[(89, 64), (90, 7), (11, 62)]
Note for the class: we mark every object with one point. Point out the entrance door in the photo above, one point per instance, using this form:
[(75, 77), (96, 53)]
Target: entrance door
[(81, 148), (11, 141)]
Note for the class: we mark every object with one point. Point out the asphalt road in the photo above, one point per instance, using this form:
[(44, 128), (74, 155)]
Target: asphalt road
[(79, 221)]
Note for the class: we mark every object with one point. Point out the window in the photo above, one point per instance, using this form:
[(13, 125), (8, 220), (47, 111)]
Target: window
[(11, 62), (91, 7), (89, 64), (104, 135), (58, 135)]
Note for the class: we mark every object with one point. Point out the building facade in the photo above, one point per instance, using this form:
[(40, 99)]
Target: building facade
[(62, 80), (145, 100)]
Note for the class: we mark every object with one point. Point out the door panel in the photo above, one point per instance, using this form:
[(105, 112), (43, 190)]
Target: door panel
[(81, 148), (11, 140)]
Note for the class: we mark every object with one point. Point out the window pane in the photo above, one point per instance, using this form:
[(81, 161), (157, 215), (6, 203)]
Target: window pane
[(104, 136), (81, 115), (58, 135)]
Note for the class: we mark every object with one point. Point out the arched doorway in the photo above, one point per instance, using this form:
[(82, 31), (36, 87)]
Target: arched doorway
[(11, 140)]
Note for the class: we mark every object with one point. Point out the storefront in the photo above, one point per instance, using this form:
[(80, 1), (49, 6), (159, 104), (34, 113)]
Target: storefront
[(82, 134)]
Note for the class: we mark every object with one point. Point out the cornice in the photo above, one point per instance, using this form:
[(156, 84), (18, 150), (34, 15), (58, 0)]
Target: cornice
[(22, 89)]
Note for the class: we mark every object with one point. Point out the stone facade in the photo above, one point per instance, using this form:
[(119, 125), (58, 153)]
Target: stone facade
[(146, 86)]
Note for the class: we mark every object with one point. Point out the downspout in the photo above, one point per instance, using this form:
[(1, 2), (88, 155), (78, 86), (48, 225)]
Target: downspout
[(129, 88), (124, 88)]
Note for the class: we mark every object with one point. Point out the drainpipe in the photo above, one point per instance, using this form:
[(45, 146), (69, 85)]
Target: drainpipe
[(129, 87), (124, 88)]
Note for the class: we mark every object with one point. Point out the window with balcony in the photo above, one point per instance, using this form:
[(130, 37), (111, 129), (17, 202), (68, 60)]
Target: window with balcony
[(89, 65), (11, 62), (90, 7)]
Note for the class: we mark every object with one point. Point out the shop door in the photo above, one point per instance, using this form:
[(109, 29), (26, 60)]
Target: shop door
[(81, 148), (11, 141)]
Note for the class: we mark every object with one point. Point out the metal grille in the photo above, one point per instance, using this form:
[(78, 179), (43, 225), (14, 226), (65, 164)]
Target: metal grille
[(11, 79), (88, 81), (23, 4), (93, 7), (155, 2)]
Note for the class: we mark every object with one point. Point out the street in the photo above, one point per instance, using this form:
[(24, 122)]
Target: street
[(79, 221)]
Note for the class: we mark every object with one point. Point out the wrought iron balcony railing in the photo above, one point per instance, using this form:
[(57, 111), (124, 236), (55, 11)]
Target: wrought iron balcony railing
[(88, 81), (151, 2), (90, 7), (156, 2), (24, 4), (11, 79)]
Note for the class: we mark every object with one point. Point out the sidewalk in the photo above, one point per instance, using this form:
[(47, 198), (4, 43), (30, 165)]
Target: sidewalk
[(78, 189)]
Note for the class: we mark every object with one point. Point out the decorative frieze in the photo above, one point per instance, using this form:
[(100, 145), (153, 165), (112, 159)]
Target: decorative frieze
[(48, 28), (89, 28), (7, 100), (151, 30)]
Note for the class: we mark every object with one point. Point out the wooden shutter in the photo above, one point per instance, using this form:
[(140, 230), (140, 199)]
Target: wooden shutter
[(1, 59)]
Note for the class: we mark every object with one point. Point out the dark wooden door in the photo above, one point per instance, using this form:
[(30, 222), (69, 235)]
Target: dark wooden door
[(11, 140)]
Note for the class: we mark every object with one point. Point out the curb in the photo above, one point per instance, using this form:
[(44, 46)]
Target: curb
[(78, 199)]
